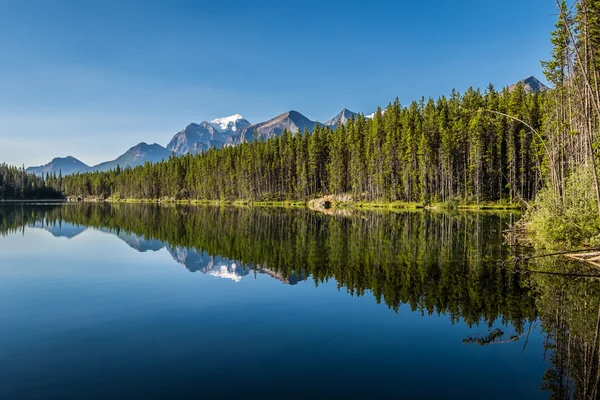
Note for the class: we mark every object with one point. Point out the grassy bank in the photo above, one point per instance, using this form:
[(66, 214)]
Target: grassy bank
[(400, 205), (326, 202), (248, 203)]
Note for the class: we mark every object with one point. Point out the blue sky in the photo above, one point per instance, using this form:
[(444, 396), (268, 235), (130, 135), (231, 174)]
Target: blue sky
[(93, 78)]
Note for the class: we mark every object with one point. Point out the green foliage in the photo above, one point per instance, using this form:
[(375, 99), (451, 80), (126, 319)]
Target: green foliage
[(567, 215), (569, 311), (569, 222), (16, 184)]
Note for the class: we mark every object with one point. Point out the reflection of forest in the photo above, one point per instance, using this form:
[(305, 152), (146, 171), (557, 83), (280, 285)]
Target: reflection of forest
[(433, 262), (570, 312)]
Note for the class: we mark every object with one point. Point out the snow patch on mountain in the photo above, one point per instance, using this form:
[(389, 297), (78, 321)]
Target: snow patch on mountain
[(372, 115), (227, 123)]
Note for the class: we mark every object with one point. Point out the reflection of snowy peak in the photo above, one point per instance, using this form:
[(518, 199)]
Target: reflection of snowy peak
[(226, 272), (215, 266), (224, 268)]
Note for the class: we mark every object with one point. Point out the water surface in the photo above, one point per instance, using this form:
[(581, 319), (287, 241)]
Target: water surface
[(146, 301)]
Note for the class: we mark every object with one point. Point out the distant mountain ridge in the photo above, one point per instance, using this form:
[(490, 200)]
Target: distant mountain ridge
[(65, 165), (292, 121), (137, 155), (532, 84)]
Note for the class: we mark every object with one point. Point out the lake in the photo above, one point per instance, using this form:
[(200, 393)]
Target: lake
[(126, 300)]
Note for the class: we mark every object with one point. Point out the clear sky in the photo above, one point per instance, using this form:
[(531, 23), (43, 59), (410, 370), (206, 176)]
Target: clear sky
[(93, 78)]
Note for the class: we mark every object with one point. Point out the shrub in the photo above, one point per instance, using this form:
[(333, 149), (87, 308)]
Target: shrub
[(572, 222)]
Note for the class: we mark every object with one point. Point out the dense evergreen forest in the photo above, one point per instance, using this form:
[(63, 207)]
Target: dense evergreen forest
[(16, 184), (430, 151)]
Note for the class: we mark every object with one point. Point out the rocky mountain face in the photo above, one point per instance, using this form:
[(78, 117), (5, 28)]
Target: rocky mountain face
[(532, 84), (67, 165), (137, 155), (196, 138), (341, 119), (293, 121)]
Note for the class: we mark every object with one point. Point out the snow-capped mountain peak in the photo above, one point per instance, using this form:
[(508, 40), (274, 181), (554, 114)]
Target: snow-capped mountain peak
[(230, 123)]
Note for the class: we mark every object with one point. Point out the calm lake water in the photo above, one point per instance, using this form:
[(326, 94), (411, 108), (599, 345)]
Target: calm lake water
[(129, 301)]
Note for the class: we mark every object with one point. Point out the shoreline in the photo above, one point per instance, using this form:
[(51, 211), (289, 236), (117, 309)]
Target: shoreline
[(327, 203), (34, 201)]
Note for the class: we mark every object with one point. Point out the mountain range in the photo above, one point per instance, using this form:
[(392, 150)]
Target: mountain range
[(137, 155), (228, 131), (293, 121)]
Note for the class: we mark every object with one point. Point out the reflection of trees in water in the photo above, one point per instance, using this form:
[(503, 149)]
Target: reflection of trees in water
[(435, 263), (432, 262), (570, 312)]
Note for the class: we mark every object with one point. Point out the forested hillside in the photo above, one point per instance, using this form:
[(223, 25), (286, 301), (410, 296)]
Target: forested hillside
[(16, 184), (451, 148)]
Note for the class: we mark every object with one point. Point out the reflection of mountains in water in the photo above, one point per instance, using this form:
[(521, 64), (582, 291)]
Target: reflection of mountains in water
[(220, 267), (60, 229), (193, 260), (137, 242)]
